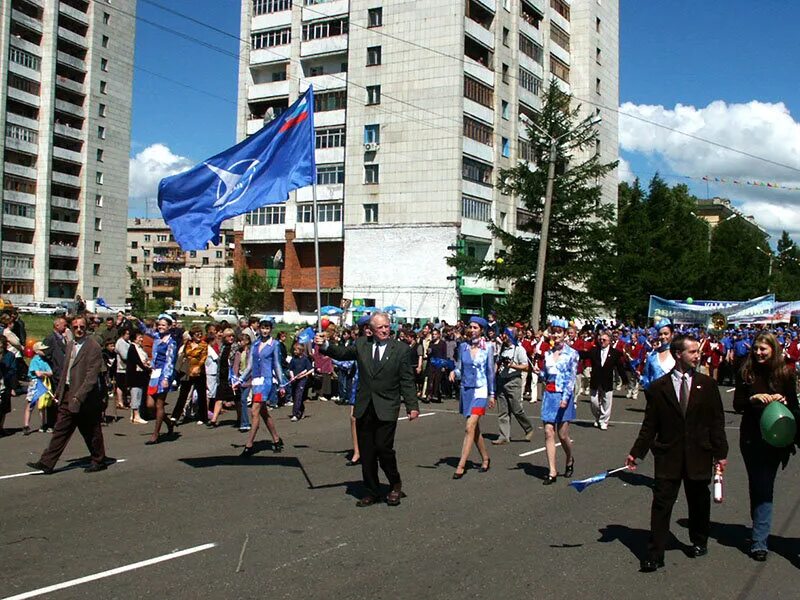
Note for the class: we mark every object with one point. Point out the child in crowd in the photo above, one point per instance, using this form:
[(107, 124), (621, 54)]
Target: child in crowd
[(298, 365), (39, 373)]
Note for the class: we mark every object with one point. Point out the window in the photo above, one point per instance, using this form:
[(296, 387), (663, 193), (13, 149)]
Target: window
[(279, 76), (332, 137), (324, 29), (26, 59), (98, 224), (99, 177), (373, 94), (97, 247), (372, 134), (559, 68), (330, 212), (197, 291), (371, 174), (529, 81), (134, 260), (476, 209), (598, 55), (99, 155), (305, 213), (560, 7), (480, 132), (478, 92), (98, 201), (103, 87), (271, 38), (19, 210), (23, 134), (263, 7), (330, 174), (13, 184), (597, 86), (102, 109), (161, 238), (375, 17), (525, 151), (505, 73), (524, 219), (531, 49), (559, 36), (193, 254), (266, 215), (106, 18), (146, 239), (104, 41), (370, 213), (373, 56), (506, 33), (134, 244), (597, 25), (504, 111), (191, 291), (218, 254), (506, 147), (330, 101), (476, 171), (24, 84), (104, 65), (101, 132), (205, 260)]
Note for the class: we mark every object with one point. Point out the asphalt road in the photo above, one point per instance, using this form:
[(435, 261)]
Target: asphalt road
[(285, 525)]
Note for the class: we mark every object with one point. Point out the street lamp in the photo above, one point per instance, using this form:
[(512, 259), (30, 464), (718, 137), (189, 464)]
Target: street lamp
[(769, 272), (538, 289)]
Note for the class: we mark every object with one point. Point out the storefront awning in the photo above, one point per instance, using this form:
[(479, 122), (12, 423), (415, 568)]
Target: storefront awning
[(470, 291)]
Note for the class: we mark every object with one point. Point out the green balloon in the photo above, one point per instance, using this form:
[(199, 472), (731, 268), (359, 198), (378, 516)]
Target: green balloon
[(690, 300), (778, 426)]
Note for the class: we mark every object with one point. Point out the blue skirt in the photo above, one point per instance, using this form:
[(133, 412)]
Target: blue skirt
[(552, 411), (470, 405)]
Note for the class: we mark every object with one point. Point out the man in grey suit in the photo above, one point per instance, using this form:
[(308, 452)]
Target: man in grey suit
[(80, 402), (385, 376)]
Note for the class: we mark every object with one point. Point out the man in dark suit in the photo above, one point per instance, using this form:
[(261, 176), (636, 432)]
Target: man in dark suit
[(80, 402), (55, 355), (604, 361), (684, 426), (385, 375)]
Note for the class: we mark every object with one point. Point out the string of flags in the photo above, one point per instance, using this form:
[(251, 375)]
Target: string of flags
[(751, 182)]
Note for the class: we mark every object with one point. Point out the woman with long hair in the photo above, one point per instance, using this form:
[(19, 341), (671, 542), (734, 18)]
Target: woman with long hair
[(660, 361), (560, 372), (137, 372), (475, 369), (763, 378), (162, 363)]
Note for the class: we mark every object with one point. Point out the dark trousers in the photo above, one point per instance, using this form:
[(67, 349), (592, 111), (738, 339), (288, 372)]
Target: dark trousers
[(665, 492), (299, 397), (199, 384), (376, 445), (434, 383), (87, 421)]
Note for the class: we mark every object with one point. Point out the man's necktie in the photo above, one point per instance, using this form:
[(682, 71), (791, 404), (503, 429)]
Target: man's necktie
[(376, 358), (684, 399)]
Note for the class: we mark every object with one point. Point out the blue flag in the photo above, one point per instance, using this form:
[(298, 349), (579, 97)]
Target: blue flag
[(259, 170), (582, 484)]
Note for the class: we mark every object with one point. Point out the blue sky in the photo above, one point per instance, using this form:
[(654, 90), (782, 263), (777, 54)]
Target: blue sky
[(731, 65)]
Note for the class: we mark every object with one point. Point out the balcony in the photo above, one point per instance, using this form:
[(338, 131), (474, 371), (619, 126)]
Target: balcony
[(264, 233), (65, 179), (330, 45), (64, 227), (273, 89), (328, 231), (329, 155), (530, 31), (17, 248), (169, 259), (333, 81), (68, 59), (333, 191), (530, 99), (22, 121), (556, 18), (66, 155), (253, 125), (19, 170), (69, 132), (68, 203), (25, 20), (478, 33), (63, 251), (489, 4), (61, 275), (325, 9), (560, 53), (162, 289), (18, 222), (477, 190), (271, 20), (475, 69), (483, 113), (18, 273), (173, 274), (24, 97), (172, 244), (478, 150), (70, 84), (329, 117), (20, 197), (271, 55), (70, 108), (72, 37), (73, 13), (21, 145)]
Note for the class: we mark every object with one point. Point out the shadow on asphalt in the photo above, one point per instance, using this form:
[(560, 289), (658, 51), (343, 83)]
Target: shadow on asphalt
[(634, 540), (638, 410), (636, 479), (537, 471), (736, 535)]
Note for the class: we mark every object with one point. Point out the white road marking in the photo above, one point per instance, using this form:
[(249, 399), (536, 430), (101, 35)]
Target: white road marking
[(422, 415), (110, 572), (310, 556), (542, 449), (26, 473)]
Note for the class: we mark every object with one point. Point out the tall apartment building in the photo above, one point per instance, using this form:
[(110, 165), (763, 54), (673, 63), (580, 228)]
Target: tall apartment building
[(66, 69), (158, 261), (418, 108)]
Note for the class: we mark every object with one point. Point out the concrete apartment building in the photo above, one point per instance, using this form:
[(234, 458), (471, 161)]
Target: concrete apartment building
[(66, 68), (417, 108), (156, 258)]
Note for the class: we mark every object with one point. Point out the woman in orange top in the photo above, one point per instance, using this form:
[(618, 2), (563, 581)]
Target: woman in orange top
[(195, 351)]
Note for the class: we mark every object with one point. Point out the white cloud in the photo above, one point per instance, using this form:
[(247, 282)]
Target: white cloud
[(150, 166), (624, 171), (761, 129)]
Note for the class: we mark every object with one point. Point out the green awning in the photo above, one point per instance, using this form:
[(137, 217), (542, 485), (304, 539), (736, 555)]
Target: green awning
[(470, 291)]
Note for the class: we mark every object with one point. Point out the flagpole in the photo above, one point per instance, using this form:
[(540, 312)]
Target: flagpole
[(316, 256)]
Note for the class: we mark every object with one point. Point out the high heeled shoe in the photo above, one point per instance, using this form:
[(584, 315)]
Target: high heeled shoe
[(248, 452), (487, 467), (569, 469), (550, 480), (458, 475)]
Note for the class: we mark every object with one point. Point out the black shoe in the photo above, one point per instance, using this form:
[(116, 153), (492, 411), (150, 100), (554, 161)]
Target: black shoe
[(38, 466), (212, 424), (26, 431), (570, 469), (697, 551), (277, 447), (759, 555), (550, 480), (95, 467), (152, 442), (459, 475), (367, 501), (486, 468), (170, 425), (353, 463), (649, 565), (248, 452)]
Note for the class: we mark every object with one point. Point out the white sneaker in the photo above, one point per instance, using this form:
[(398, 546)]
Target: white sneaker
[(140, 421), (335, 398), (596, 424), (294, 419), (603, 426), (629, 395), (619, 387), (322, 399)]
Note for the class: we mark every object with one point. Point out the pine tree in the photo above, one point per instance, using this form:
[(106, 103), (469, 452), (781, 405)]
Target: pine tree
[(738, 270), (786, 270)]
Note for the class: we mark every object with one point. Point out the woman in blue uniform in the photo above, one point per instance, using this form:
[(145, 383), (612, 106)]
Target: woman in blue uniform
[(660, 361), (163, 365), (475, 369), (558, 402)]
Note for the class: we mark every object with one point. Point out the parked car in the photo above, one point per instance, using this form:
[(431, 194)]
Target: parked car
[(185, 311), (40, 308), (226, 314)]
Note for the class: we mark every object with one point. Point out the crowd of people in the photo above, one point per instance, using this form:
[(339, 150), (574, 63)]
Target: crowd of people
[(89, 366)]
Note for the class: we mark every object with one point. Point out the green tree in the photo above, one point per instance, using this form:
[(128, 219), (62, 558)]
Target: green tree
[(786, 270), (138, 295), (580, 240), (738, 261), (247, 292)]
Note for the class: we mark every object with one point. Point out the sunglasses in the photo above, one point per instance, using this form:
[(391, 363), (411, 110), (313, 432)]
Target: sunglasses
[(79, 327)]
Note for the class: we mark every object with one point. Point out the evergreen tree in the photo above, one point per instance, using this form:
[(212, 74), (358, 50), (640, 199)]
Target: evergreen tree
[(138, 295), (580, 244), (738, 261), (786, 270)]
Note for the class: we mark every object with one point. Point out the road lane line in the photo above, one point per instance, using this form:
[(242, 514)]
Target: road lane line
[(67, 468), (110, 572), (430, 414), (529, 452)]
